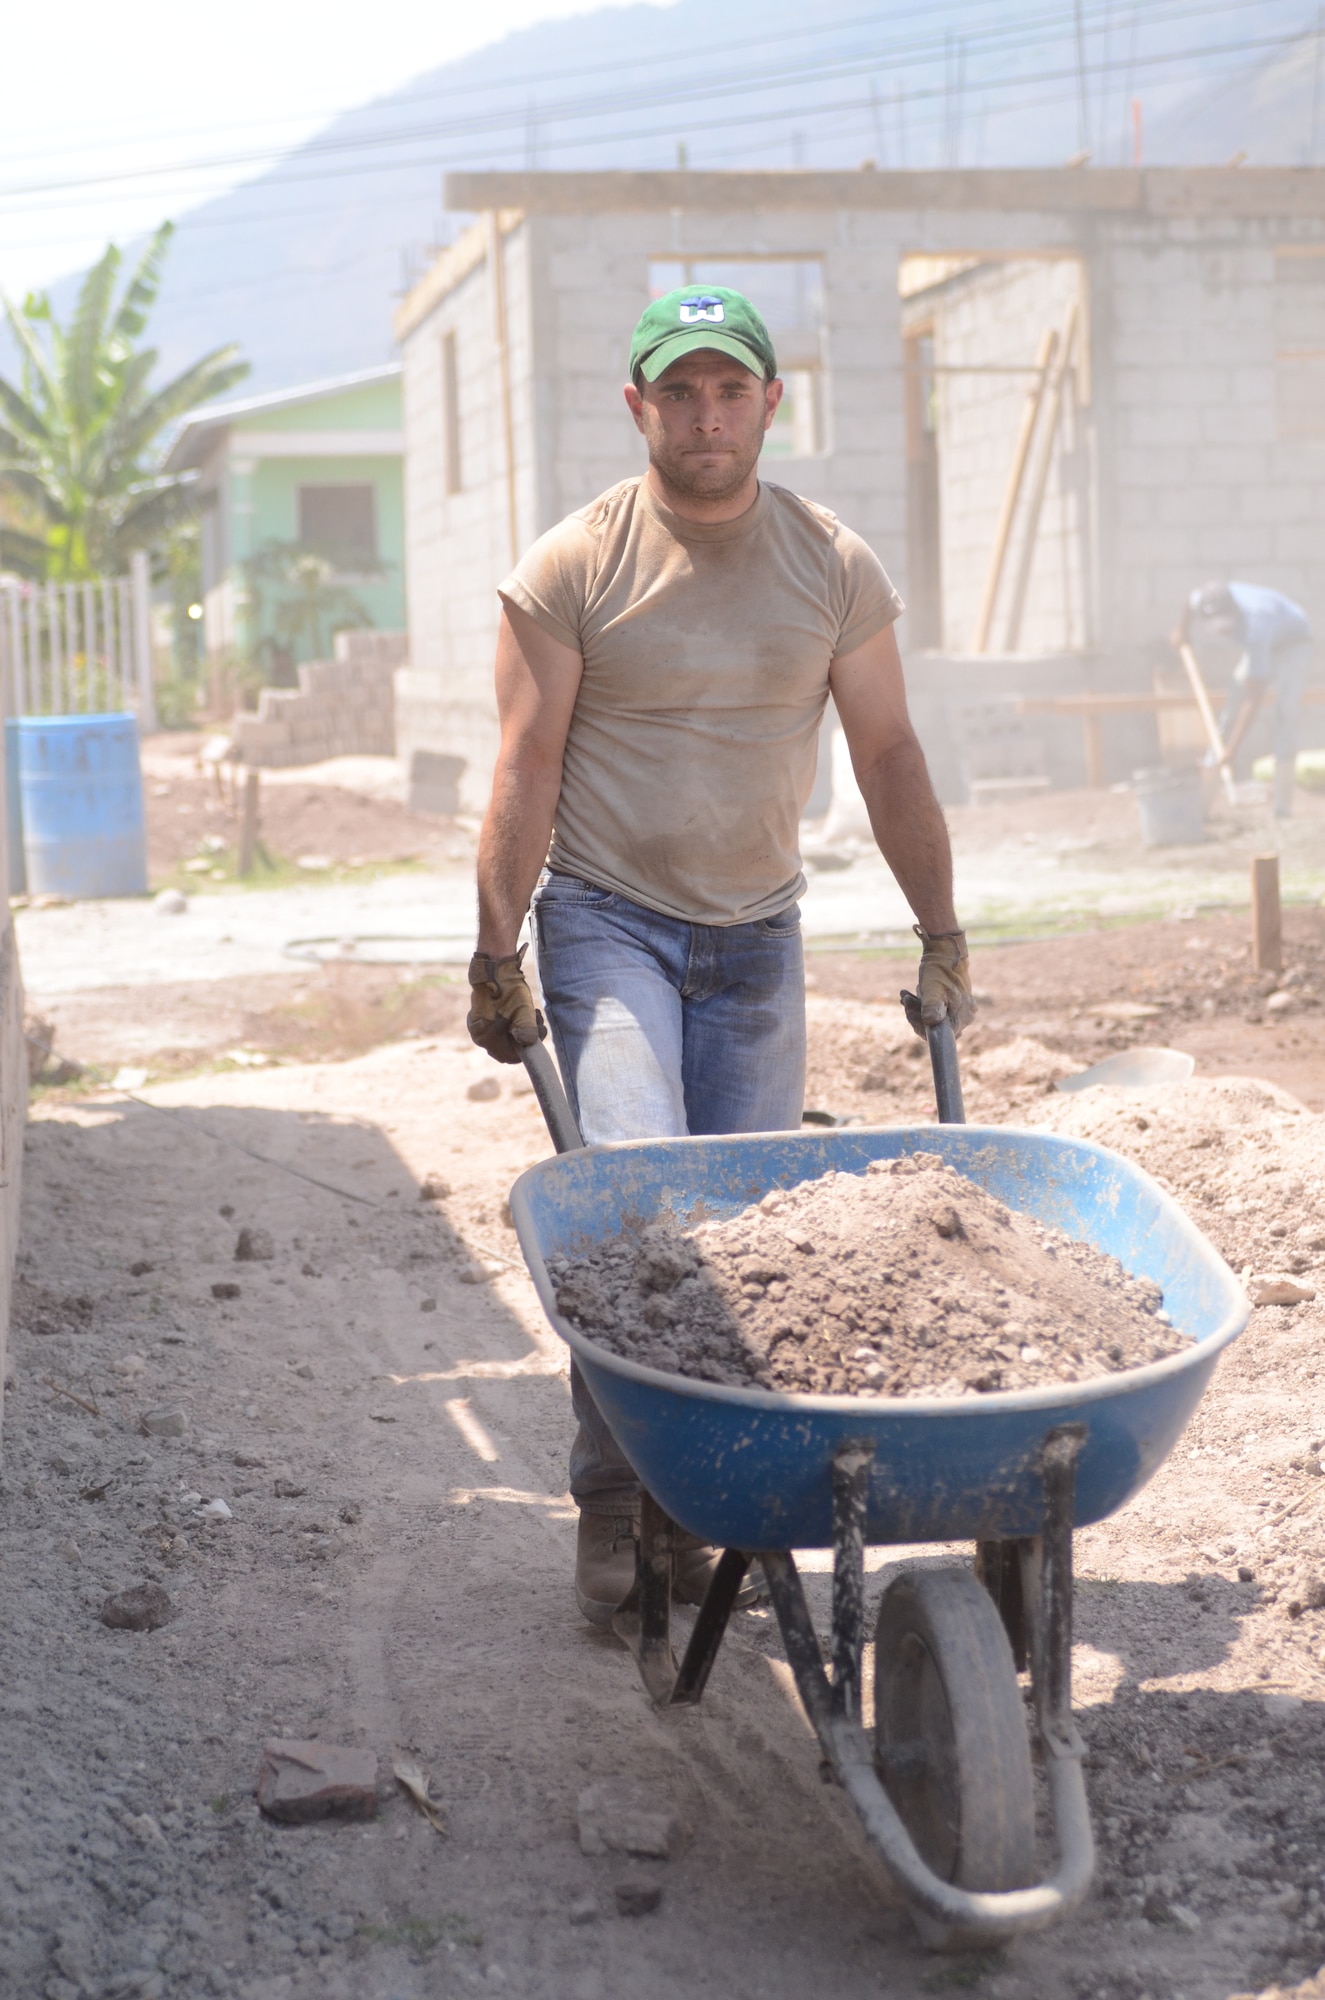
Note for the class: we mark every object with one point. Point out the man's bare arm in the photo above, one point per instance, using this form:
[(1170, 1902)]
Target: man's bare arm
[(537, 682), (908, 822)]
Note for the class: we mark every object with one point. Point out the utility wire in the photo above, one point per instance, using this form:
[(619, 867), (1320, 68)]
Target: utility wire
[(1026, 31), (743, 83)]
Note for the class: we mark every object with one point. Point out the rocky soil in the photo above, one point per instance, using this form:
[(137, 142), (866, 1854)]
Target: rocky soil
[(907, 1281), (383, 1416)]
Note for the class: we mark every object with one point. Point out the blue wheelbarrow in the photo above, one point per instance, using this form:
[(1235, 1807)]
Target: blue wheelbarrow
[(942, 1778)]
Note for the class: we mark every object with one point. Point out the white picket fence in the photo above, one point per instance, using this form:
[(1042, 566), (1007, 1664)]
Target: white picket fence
[(78, 648)]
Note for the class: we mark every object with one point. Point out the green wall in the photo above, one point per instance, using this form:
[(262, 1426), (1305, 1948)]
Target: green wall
[(264, 492)]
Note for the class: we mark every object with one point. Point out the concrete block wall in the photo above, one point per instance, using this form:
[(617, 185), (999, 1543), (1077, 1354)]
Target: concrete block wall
[(342, 708), (1200, 476), (993, 317), (1177, 463), (459, 544)]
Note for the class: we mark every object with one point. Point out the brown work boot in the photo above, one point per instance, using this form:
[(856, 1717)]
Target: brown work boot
[(605, 1564), (696, 1562)]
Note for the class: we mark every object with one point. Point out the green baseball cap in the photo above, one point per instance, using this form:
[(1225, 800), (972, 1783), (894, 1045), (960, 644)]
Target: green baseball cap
[(701, 316)]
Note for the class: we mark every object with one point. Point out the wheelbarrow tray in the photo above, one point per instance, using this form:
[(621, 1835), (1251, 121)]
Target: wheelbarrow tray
[(752, 1469)]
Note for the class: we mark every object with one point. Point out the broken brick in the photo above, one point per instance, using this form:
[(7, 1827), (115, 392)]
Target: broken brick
[(299, 1781)]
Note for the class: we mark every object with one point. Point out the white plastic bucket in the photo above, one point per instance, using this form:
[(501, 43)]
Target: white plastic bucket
[(1171, 801)]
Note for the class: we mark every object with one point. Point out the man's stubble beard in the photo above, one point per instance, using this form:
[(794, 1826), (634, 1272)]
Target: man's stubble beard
[(681, 477)]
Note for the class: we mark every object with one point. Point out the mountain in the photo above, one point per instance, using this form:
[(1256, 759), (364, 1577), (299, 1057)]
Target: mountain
[(302, 264)]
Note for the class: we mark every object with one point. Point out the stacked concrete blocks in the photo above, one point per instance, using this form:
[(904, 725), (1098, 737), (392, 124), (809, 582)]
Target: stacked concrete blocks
[(341, 708)]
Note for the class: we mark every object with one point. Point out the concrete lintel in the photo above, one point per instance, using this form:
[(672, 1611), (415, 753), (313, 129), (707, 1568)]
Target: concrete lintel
[(1157, 191)]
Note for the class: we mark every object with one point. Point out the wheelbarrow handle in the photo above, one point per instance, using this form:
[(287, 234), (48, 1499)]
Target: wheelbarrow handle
[(567, 1137), (553, 1102), (947, 1073)]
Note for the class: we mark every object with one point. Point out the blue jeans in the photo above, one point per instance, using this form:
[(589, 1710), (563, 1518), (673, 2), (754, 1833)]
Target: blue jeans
[(1291, 669), (664, 1028)]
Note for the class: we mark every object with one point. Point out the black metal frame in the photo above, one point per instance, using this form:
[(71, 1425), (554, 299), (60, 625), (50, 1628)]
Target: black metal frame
[(1030, 1580)]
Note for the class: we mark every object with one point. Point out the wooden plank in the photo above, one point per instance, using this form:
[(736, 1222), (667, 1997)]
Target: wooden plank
[(1119, 704), (1267, 943), (1012, 490), (1100, 704), (1053, 398)]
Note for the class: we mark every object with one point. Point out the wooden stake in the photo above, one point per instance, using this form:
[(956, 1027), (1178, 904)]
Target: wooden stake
[(1267, 942), (1012, 491), (249, 824), (1097, 777)]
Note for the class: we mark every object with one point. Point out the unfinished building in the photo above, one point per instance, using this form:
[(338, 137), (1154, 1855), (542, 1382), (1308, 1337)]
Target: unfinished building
[(1052, 401)]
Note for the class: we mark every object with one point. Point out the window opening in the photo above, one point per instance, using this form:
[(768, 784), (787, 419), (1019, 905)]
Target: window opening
[(340, 522)]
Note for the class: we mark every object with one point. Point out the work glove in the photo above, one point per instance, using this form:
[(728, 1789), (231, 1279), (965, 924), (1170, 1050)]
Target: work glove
[(502, 1016), (944, 981)]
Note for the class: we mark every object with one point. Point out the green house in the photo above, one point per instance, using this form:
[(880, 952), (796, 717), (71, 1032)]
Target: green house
[(311, 472)]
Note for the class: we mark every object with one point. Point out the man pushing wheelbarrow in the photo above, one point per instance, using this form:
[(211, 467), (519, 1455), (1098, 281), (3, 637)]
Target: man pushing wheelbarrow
[(664, 659)]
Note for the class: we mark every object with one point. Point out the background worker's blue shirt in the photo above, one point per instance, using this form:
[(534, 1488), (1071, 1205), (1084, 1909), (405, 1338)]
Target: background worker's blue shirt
[(1271, 623)]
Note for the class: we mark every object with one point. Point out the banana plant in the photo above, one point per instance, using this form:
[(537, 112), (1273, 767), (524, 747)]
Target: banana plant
[(81, 479)]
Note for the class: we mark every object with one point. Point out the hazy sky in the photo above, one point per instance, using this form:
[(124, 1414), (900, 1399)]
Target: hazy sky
[(154, 90)]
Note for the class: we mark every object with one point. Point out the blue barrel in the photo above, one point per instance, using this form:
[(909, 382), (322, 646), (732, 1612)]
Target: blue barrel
[(18, 874), (81, 791)]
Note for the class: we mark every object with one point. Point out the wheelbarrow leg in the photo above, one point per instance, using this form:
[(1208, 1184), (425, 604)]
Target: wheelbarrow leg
[(1046, 1575), (645, 1619), (705, 1639), (851, 1466)]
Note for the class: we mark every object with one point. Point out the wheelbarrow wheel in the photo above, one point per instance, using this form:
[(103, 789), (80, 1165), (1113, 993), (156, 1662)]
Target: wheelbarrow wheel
[(950, 1738)]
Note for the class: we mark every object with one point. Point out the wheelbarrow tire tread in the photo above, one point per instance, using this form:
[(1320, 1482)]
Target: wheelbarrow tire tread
[(944, 1678)]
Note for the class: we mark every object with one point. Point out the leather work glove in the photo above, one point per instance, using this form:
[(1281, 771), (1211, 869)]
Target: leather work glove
[(944, 981), (502, 1016)]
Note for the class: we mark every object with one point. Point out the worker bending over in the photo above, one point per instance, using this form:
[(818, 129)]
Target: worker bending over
[(1277, 648), (663, 662)]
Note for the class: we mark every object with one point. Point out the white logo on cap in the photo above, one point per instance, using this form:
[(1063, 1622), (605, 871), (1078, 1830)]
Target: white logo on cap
[(695, 310)]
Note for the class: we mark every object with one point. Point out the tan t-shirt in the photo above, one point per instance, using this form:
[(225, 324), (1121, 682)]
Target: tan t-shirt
[(692, 746)]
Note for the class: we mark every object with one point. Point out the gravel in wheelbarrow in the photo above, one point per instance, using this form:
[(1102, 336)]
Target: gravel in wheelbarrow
[(907, 1280)]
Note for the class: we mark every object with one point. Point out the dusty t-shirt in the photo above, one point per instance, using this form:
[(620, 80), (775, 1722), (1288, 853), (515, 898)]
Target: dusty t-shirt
[(706, 648)]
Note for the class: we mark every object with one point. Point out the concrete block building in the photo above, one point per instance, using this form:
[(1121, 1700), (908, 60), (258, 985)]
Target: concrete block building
[(1053, 402)]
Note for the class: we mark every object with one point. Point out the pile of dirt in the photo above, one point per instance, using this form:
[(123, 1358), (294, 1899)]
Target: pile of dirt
[(908, 1280)]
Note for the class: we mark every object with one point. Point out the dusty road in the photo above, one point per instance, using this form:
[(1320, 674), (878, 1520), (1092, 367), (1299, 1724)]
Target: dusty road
[(386, 1420)]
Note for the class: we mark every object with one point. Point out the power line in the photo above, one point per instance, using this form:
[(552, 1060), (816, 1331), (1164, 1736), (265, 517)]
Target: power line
[(743, 82), (650, 59)]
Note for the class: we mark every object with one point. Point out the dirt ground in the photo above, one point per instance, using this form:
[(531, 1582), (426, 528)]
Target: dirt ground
[(192, 816), (384, 1413)]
